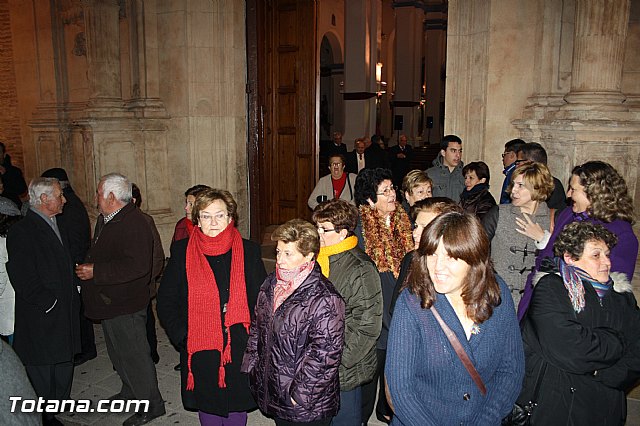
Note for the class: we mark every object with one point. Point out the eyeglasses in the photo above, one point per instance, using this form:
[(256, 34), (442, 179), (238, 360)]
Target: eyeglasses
[(507, 153), (387, 191), (337, 164), (218, 217), (323, 230)]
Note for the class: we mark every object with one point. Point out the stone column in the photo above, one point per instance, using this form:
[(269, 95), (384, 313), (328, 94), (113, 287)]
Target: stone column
[(103, 60), (361, 46), (598, 52), (408, 57)]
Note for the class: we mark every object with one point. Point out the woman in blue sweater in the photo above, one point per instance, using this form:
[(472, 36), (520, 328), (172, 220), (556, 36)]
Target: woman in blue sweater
[(428, 383)]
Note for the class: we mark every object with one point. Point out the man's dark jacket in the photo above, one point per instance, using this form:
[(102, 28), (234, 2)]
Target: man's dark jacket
[(121, 252), (41, 271)]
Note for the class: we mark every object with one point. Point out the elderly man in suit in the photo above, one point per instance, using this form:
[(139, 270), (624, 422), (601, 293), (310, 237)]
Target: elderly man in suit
[(47, 330)]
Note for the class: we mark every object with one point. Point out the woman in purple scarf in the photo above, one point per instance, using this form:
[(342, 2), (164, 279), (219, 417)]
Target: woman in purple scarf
[(599, 195)]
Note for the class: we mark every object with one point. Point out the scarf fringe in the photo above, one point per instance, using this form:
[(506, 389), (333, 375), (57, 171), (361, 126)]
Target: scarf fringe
[(190, 380)]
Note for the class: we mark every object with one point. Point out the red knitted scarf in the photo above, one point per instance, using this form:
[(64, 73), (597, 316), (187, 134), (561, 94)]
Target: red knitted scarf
[(204, 317)]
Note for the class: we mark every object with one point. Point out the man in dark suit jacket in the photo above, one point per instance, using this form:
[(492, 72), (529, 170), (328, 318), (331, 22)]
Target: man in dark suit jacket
[(74, 220), (400, 157), (376, 155), (356, 159), (40, 267)]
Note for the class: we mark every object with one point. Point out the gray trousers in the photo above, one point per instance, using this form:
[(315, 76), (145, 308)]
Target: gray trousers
[(128, 348)]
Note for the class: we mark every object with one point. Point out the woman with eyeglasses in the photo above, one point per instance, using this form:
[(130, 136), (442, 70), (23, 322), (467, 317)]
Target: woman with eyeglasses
[(338, 184), (356, 278), (206, 302), (598, 194), (297, 337), (384, 233), (518, 230)]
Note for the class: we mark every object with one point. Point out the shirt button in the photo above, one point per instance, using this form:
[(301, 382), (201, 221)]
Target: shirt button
[(466, 396)]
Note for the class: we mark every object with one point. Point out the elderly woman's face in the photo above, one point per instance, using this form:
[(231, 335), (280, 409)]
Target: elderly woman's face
[(420, 192), (594, 260), (214, 218), (329, 235), (289, 257), (577, 195), (448, 274), (336, 167), (386, 203)]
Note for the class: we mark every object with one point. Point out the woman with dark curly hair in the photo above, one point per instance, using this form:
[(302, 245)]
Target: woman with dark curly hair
[(581, 333), (384, 233), (518, 229), (598, 194), (452, 281)]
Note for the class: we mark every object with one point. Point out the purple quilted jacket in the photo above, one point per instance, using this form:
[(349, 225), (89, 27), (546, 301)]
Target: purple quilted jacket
[(295, 351)]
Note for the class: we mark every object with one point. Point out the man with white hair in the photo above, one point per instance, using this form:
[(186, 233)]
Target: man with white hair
[(47, 305), (116, 292)]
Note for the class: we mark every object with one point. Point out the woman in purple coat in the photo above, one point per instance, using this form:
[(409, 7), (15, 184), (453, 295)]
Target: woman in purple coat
[(297, 336), (599, 195)]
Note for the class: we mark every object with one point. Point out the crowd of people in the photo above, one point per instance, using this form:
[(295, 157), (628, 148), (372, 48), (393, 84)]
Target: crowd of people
[(411, 293)]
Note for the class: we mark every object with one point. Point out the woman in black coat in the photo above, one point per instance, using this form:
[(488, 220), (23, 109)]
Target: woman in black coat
[(206, 302), (581, 333)]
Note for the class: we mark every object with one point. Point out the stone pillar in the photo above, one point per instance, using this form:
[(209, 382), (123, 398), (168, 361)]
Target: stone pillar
[(408, 64), (361, 55), (103, 60), (598, 52)]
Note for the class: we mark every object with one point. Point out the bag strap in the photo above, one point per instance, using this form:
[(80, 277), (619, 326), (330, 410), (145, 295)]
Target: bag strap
[(457, 346)]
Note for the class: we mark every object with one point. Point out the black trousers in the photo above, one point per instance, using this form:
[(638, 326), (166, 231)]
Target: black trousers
[(152, 338), (369, 391), (52, 381), (126, 340)]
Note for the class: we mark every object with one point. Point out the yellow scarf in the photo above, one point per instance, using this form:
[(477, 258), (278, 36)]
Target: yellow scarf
[(323, 257)]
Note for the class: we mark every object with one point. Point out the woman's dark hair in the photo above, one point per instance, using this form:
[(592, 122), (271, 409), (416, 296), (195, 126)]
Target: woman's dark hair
[(436, 205), (481, 169), (367, 184), (606, 190), (7, 222), (207, 196), (301, 232), (464, 238), (341, 214), (575, 235), (136, 195), (195, 189)]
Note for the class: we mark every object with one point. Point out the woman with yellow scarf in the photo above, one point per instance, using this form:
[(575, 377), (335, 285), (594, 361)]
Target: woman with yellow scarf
[(357, 280)]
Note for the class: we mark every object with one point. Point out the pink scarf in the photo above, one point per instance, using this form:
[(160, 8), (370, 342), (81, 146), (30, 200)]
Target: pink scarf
[(288, 280)]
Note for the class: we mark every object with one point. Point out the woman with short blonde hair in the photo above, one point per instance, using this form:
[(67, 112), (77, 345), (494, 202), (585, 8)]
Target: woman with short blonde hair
[(519, 229)]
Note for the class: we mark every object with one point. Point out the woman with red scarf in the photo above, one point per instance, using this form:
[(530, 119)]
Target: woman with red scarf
[(206, 302)]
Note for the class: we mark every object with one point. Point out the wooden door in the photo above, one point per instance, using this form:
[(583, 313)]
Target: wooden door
[(284, 110)]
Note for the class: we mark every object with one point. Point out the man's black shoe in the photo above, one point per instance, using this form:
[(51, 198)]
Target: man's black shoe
[(143, 418)]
